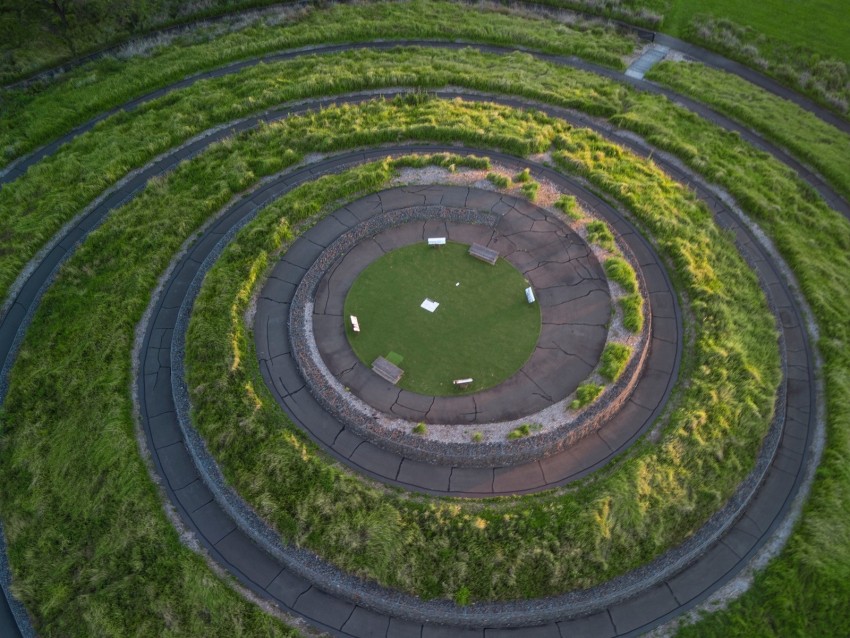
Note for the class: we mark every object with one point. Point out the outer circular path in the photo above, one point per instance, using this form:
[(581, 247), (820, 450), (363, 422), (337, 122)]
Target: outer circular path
[(661, 590), (648, 608)]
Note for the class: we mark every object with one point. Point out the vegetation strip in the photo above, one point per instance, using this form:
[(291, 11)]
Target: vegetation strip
[(285, 520), (31, 120), (26, 196), (833, 377)]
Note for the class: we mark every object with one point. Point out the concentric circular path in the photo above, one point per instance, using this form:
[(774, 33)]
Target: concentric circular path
[(569, 284), (649, 608), (630, 604), (456, 469)]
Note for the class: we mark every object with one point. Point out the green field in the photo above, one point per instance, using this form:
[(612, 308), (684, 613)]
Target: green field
[(820, 26), (483, 328)]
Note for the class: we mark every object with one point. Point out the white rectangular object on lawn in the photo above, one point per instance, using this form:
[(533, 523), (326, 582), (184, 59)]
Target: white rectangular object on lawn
[(429, 305), (436, 241), (529, 294)]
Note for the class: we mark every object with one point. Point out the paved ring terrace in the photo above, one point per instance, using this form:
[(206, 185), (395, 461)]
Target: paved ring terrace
[(465, 469), (18, 313), (717, 205), (653, 604), (552, 258)]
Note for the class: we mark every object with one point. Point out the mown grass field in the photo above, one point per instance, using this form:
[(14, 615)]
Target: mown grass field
[(483, 328), (70, 468)]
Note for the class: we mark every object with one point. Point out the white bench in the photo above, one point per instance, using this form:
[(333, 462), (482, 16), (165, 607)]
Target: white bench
[(529, 294), (355, 325), (436, 241), (462, 382)]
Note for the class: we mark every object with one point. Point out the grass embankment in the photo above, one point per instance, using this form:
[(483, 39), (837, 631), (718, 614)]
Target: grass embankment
[(36, 206), (805, 135), (508, 549), (91, 550), (814, 240), (483, 329), (30, 119)]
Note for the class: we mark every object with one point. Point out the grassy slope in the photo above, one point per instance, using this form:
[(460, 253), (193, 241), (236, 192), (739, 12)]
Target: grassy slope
[(29, 120), (816, 563), (503, 550), (483, 328), (805, 135), (36, 206), (92, 550)]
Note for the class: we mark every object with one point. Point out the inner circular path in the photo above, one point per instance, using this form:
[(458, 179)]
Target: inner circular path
[(569, 284)]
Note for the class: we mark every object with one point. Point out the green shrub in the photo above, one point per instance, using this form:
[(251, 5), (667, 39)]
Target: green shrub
[(499, 181), (420, 429), (462, 596), (613, 361), (523, 176), (530, 189), (521, 431), (477, 437), (598, 233), (585, 394), (621, 271), (632, 306), (568, 205)]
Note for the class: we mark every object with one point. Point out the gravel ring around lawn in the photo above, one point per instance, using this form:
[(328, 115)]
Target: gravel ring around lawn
[(378, 412)]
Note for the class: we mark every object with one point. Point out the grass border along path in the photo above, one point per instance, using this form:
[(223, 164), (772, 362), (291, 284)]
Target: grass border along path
[(221, 357), (823, 230), (30, 120)]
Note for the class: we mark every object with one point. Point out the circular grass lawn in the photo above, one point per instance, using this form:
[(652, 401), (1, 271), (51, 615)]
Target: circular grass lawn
[(484, 327)]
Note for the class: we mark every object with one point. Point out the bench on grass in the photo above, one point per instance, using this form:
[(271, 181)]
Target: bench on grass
[(355, 325), (436, 241), (387, 370), (484, 254), (462, 382)]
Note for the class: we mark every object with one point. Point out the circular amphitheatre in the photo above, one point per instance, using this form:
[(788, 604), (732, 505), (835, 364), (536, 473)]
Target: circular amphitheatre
[(313, 352), (480, 332)]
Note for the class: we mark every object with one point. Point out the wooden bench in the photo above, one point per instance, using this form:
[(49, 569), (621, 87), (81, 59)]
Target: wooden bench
[(355, 325), (484, 254), (387, 370)]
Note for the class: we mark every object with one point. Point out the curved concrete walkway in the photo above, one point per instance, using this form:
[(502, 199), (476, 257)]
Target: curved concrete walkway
[(19, 166), (400, 465), (658, 592), (21, 309), (569, 284), (717, 205)]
